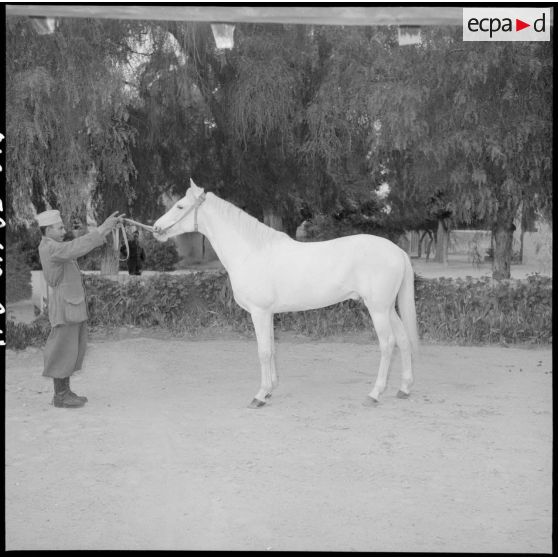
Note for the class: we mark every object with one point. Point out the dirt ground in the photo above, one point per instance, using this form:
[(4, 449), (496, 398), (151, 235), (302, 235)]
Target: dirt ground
[(167, 456)]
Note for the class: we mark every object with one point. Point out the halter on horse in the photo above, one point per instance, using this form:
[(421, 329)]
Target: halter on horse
[(270, 273)]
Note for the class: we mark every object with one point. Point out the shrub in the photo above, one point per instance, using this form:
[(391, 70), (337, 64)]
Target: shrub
[(18, 274), (462, 310), (92, 260), (21, 335), (485, 311), (466, 311), (160, 256), (180, 303)]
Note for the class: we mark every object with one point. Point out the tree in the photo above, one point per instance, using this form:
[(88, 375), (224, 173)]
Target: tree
[(67, 121), (262, 98), (292, 116), (505, 114), (486, 113), (479, 131)]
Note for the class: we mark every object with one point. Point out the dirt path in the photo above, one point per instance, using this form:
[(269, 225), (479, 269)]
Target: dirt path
[(166, 454)]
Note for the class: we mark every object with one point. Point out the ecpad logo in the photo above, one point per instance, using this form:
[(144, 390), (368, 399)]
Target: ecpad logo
[(506, 24)]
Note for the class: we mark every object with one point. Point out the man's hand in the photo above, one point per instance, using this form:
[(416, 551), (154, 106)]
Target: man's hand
[(110, 223)]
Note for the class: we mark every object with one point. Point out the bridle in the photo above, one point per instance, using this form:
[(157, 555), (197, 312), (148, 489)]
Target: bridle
[(121, 230), (194, 208)]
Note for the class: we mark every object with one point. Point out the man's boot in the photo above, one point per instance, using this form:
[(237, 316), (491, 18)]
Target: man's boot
[(62, 396), (67, 383)]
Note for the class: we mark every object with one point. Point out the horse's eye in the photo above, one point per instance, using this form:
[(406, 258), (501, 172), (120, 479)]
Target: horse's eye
[(180, 207)]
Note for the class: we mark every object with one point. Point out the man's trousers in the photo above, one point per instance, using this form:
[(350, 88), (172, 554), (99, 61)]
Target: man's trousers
[(65, 349)]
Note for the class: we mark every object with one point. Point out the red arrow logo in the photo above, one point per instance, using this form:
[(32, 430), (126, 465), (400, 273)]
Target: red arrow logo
[(519, 25)]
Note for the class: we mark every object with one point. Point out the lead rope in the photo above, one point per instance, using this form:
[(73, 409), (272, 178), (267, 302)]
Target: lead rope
[(116, 241)]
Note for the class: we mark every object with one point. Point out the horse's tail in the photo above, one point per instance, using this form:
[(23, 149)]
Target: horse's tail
[(406, 304)]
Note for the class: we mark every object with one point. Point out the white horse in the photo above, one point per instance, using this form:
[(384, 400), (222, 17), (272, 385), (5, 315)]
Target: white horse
[(270, 272)]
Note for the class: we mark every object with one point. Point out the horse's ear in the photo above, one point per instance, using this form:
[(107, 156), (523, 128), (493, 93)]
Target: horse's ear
[(195, 186)]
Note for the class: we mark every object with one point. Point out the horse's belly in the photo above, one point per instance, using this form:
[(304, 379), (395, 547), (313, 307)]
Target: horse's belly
[(292, 292), (316, 289), (305, 301)]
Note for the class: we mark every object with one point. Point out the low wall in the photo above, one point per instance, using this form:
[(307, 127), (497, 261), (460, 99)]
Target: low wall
[(466, 241), (471, 242), (537, 248)]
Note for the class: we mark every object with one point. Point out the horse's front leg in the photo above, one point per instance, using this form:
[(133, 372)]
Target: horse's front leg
[(263, 326)]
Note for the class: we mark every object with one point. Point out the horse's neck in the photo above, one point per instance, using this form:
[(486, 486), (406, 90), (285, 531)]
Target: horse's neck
[(230, 245)]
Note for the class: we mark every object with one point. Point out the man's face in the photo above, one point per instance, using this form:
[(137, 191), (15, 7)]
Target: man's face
[(56, 232)]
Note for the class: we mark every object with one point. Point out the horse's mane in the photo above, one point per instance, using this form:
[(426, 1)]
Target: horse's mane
[(249, 227)]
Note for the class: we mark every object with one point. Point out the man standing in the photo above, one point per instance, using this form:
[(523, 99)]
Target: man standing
[(67, 310)]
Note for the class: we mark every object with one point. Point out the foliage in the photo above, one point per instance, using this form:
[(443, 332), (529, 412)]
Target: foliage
[(26, 240), (468, 120), (171, 142), (326, 227), (18, 274), (473, 311), (292, 116), (177, 302), (66, 116), (92, 260), (160, 256), (19, 336), (486, 116), (466, 311)]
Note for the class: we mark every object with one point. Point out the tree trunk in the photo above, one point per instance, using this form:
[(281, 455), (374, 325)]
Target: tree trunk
[(109, 258), (273, 219), (503, 242), (442, 242)]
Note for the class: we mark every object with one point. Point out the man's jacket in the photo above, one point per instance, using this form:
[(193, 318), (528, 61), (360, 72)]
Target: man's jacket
[(66, 294)]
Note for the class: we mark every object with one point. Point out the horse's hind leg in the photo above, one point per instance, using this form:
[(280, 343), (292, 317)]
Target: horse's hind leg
[(406, 354), (386, 339), (274, 376), (263, 326)]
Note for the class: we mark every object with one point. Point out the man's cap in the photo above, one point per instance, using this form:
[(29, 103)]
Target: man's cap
[(50, 217)]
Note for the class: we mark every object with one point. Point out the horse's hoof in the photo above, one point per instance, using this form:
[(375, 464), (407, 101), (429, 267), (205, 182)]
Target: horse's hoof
[(402, 395), (268, 395), (370, 402), (256, 403)]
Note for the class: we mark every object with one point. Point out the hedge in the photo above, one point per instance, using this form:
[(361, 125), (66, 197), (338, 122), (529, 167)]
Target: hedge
[(465, 311), (474, 311), (21, 335)]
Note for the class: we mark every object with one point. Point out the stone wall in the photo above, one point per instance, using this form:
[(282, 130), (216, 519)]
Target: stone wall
[(537, 248)]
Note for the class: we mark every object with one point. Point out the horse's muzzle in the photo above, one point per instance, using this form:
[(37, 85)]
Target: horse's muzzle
[(159, 234)]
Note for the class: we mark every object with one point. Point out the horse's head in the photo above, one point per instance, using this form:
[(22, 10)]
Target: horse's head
[(182, 217)]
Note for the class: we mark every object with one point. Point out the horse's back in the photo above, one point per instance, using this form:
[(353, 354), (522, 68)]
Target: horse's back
[(365, 250)]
